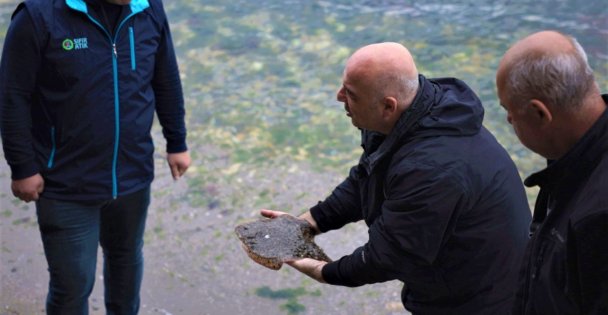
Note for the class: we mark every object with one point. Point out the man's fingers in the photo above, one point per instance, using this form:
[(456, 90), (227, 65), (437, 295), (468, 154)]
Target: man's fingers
[(27, 197), (175, 172), (182, 169), (178, 163), (291, 261), (28, 189), (271, 213)]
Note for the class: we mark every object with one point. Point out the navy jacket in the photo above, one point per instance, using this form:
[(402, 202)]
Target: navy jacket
[(446, 208), (565, 269), (77, 100)]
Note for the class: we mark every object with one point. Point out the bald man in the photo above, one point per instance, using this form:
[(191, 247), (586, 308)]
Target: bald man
[(445, 206), (554, 104)]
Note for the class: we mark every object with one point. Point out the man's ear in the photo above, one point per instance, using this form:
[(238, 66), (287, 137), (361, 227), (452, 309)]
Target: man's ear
[(541, 112), (389, 108)]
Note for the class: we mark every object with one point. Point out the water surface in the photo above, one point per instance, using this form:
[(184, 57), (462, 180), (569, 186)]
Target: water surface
[(265, 130)]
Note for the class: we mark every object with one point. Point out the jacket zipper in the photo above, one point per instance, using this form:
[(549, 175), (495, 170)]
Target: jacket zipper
[(116, 99), (524, 305), (132, 42), (539, 262), (116, 119), (536, 256), (53, 149)]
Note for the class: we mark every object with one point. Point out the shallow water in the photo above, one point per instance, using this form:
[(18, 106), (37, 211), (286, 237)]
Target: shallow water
[(265, 131)]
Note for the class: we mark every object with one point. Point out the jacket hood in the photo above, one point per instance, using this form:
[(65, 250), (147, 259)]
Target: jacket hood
[(455, 110), (441, 107)]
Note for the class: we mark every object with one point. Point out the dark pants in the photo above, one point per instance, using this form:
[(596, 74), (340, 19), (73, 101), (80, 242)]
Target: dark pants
[(70, 233)]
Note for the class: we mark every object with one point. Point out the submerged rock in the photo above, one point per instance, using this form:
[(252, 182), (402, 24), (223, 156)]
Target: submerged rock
[(270, 242)]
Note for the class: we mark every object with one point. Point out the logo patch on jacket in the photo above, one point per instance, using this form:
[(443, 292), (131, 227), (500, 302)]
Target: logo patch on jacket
[(76, 43)]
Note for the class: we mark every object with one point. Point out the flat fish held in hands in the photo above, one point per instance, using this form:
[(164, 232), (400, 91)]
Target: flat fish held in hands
[(270, 242)]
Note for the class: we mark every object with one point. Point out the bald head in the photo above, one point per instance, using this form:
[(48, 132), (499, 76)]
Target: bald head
[(383, 57), (387, 68), (548, 66), (548, 43), (379, 83)]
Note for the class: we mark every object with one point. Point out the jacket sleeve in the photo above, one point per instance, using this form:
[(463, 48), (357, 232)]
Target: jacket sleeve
[(416, 219), (341, 207), (18, 71), (589, 239), (168, 90)]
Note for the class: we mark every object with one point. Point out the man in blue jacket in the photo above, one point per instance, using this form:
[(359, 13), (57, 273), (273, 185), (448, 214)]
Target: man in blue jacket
[(444, 203), (555, 106), (80, 81)]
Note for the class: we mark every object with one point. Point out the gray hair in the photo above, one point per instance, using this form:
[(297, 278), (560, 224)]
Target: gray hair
[(563, 79), (399, 85)]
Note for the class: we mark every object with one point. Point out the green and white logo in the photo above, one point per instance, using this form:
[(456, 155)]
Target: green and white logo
[(67, 44), (76, 43)]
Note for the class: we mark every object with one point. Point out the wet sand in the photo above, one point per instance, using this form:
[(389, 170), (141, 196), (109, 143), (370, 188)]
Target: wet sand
[(194, 263)]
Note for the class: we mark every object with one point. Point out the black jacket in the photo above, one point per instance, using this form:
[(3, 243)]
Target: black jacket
[(566, 262), (77, 100), (445, 206)]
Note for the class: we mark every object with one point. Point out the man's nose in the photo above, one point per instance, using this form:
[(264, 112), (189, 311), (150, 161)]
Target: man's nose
[(340, 95)]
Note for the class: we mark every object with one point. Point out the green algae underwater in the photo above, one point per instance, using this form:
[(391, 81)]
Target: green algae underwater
[(265, 131)]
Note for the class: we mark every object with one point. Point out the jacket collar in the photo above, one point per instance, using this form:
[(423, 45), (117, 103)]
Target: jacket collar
[(583, 156), (136, 6), (377, 146)]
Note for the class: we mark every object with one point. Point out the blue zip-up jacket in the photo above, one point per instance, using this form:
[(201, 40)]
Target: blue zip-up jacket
[(446, 208), (77, 100)]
